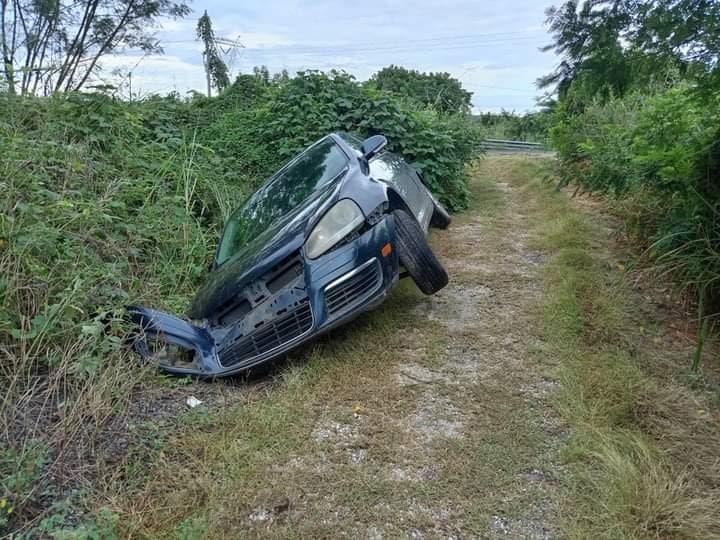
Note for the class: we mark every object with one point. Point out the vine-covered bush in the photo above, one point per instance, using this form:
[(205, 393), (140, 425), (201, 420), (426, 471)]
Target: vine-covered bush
[(308, 106)]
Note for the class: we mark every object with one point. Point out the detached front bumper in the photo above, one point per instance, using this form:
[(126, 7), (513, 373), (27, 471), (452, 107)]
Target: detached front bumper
[(330, 291)]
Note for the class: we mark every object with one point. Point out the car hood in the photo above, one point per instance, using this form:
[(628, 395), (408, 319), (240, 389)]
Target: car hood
[(282, 237)]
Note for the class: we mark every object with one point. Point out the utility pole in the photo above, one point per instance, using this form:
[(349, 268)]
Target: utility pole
[(206, 65)]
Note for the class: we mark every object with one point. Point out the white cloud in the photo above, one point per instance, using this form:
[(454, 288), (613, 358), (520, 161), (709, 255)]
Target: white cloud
[(491, 47), (153, 74)]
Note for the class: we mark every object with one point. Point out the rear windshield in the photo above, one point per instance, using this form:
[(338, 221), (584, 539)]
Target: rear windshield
[(318, 165)]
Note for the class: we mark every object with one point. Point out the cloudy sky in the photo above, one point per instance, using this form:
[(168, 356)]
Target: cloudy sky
[(492, 47)]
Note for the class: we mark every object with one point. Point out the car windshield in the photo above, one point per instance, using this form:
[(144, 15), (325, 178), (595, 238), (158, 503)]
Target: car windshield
[(316, 167)]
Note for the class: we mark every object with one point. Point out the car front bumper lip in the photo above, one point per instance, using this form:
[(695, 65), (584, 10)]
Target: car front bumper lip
[(324, 275)]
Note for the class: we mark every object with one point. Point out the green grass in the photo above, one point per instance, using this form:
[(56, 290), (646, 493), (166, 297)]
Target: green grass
[(637, 472)]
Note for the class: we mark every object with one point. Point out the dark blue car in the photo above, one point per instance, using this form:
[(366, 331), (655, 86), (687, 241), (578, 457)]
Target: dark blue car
[(323, 240)]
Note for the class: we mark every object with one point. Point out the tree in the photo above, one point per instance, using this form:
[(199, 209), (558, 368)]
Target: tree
[(609, 46), (56, 45), (216, 71), (438, 90), (262, 74), (281, 78), (589, 39), (686, 32)]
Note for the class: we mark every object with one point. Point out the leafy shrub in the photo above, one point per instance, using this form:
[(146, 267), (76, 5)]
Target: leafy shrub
[(659, 156), (256, 126), (313, 104), (595, 145), (438, 91)]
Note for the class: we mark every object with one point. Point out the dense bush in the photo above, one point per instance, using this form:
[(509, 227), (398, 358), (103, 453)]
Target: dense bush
[(636, 99), (658, 155), (438, 91), (297, 112), (518, 127)]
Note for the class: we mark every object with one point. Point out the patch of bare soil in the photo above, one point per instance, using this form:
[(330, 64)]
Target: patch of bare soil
[(157, 409)]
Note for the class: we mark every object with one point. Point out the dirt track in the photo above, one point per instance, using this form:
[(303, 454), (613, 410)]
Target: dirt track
[(491, 369), (472, 428)]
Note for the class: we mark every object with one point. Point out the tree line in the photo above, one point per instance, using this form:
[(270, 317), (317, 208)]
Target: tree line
[(55, 45)]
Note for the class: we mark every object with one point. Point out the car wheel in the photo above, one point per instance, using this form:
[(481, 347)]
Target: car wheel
[(440, 217), (416, 256)]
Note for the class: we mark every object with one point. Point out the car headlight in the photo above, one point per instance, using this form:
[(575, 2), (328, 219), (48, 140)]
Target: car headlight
[(336, 224)]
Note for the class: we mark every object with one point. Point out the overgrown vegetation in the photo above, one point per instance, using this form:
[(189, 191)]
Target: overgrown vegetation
[(106, 203), (509, 125), (439, 91), (641, 447), (636, 119)]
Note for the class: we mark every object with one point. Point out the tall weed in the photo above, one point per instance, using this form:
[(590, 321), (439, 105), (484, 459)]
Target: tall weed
[(658, 156)]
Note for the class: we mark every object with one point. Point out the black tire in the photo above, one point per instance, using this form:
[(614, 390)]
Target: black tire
[(440, 218), (416, 256)]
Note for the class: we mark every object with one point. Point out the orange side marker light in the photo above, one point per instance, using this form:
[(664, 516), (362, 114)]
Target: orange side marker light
[(386, 250)]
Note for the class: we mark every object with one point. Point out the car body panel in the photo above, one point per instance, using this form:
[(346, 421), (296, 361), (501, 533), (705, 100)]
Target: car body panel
[(285, 235), (269, 296), (396, 173)]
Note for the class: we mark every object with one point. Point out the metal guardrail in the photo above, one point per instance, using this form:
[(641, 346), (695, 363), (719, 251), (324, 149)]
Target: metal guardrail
[(499, 145)]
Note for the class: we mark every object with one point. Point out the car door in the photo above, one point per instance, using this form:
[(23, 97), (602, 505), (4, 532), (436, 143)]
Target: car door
[(394, 171)]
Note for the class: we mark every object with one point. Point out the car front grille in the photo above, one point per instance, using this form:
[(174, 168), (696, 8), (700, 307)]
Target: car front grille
[(269, 336), (255, 293), (352, 290)]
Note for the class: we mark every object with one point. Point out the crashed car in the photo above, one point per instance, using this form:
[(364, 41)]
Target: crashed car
[(323, 240)]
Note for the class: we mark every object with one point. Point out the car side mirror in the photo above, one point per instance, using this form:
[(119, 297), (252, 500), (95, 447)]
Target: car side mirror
[(372, 146)]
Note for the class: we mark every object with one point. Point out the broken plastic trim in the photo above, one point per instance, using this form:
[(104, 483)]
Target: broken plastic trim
[(161, 333)]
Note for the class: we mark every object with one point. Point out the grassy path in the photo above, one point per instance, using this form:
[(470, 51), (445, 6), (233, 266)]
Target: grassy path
[(459, 415)]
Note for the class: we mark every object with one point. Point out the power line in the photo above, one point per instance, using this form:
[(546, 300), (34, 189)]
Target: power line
[(397, 48), (326, 51), (502, 88), (421, 45), (362, 44)]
